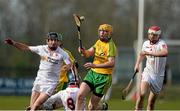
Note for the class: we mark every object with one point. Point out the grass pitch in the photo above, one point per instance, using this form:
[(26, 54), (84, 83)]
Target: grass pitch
[(170, 102)]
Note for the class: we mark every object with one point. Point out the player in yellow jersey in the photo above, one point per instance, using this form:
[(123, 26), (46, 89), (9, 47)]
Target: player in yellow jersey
[(99, 77), (66, 75)]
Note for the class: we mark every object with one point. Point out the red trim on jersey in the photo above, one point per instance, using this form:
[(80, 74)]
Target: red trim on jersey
[(164, 46), (72, 86)]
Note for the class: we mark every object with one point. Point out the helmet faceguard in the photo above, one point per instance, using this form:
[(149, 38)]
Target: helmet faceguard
[(74, 83), (155, 30), (74, 80), (107, 28), (53, 36), (154, 33)]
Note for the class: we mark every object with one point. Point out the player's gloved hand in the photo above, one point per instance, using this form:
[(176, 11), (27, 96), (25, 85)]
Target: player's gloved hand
[(9, 41), (89, 65), (136, 68), (81, 50), (76, 64)]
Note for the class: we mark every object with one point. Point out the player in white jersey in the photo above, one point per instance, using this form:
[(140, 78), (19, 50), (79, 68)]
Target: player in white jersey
[(52, 56), (65, 98), (155, 50)]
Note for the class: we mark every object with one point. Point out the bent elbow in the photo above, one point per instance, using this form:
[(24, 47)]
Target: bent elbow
[(112, 64), (165, 53)]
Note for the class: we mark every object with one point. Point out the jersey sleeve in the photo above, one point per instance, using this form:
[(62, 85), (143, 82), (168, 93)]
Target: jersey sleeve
[(112, 50), (144, 46), (94, 46), (66, 58), (163, 45), (35, 49)]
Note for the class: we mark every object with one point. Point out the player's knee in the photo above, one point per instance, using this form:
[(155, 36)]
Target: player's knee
[(142, 95)]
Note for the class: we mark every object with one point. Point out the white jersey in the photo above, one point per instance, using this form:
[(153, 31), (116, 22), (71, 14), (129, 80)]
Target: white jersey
[(155, 65), (68, 97), (65, 98), (50, 64)]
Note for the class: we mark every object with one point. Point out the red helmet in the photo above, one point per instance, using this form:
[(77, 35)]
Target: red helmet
[(154, 30)]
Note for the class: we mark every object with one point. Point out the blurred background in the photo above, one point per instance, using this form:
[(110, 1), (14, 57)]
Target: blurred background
[(29, 21)]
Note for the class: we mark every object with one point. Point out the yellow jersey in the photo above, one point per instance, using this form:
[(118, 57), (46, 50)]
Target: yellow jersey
[(103, 50), (63, 74)]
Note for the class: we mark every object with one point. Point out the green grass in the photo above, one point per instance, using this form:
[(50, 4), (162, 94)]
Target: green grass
[(14, 102), (170, 102)]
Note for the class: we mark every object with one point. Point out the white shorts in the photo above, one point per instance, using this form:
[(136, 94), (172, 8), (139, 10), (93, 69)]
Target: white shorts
[(155, 81), (44, 87)]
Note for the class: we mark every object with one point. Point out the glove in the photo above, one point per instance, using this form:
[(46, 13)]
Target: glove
[(9, 41)]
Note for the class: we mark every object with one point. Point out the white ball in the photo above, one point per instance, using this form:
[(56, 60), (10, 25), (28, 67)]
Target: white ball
[(82, 18)]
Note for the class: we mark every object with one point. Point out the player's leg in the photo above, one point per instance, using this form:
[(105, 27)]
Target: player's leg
[(107, 96), (163, 91), (34, 97), (141, 95), (84, 90), (85, 87), (102, 85), (102, 106), (155, 87), (45, 90), (32, 100), (94, 102), (40, 100), (151, 100)]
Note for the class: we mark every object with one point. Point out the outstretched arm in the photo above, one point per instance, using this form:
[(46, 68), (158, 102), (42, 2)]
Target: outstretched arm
[(18, 45), (86, 53)]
